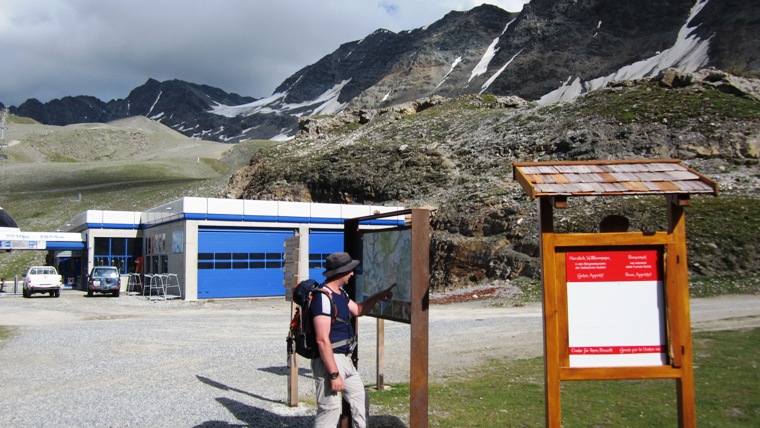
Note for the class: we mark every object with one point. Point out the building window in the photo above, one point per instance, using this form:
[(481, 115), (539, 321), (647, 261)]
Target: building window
[(240, 260)]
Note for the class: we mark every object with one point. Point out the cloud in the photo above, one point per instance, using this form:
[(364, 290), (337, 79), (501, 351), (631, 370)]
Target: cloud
[(57, 48)]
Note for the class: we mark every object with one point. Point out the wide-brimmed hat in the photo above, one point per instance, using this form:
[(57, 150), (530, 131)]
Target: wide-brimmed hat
[(338, 263)]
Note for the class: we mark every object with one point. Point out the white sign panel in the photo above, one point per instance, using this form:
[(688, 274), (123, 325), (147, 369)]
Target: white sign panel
[(616, 315)]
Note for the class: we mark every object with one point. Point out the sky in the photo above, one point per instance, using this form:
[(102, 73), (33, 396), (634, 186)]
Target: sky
[(55, 48)]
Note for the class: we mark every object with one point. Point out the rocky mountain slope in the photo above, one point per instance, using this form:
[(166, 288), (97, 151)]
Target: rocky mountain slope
[(456, 155), (180, 105), (553, 50)]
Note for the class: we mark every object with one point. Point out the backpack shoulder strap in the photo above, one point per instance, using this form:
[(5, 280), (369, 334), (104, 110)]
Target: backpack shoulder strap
[(334, 310)]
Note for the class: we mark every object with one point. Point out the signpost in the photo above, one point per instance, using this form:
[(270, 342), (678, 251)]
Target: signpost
[(398, 255), (406, 263), (615, 304), (290, 269)]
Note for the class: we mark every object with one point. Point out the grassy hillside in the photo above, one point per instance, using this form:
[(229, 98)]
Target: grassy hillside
[(51, 174)]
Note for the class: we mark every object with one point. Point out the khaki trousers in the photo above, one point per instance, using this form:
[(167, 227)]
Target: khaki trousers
[(329, 403)]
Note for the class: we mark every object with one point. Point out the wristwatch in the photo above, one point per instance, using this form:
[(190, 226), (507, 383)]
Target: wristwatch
[(334, 375)]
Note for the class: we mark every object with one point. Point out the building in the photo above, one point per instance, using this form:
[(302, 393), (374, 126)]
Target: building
[(218, 248)]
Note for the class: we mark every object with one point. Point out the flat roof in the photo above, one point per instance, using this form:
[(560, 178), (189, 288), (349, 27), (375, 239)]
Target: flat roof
[(611, 178), (230, 210)]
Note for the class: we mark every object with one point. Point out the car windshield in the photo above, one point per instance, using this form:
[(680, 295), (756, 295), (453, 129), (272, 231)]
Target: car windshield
[(106, 273)]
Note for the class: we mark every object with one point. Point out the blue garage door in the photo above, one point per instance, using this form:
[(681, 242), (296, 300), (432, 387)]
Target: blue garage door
[(240, 262), (321, 244)]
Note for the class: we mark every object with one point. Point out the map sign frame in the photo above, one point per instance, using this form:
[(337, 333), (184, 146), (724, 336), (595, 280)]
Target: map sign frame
[(419, 303), (386, 259)]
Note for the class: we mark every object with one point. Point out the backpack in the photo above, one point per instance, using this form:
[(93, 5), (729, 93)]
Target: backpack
[(301, 338)]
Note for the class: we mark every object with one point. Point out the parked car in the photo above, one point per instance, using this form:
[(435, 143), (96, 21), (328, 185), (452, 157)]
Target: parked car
[(104, 279), (42, 279)]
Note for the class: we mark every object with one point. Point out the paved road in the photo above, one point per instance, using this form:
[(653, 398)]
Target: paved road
[(102, 361)]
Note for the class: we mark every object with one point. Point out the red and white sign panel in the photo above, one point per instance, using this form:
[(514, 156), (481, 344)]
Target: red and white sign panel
[(616, 312)]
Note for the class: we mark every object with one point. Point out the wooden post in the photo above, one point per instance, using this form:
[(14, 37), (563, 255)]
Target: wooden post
[(295, 257), (292, 368), (418, 399), (680, 313), (350, 238), (380, 382), (550, 313)]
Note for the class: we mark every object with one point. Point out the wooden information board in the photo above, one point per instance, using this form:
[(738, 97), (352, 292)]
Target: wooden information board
[(615, 304)]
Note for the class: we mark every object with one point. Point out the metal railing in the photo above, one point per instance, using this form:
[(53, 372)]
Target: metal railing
[(158, 286)]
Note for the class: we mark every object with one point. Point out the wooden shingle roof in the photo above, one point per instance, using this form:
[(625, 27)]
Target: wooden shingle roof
[(611, 177)]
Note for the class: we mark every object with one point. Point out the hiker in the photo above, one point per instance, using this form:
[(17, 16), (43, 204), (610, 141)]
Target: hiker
[(333, 370)]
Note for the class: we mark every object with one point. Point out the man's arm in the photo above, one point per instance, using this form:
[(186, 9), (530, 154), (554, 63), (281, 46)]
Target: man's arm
[(359, 309)]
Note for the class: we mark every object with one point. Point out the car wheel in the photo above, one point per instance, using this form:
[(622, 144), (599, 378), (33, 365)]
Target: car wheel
[(116, 294), (89, 293), (51, 293), (57, 293), (26, 293)]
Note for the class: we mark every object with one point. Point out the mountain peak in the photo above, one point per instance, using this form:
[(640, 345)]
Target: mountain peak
[(554, 50)]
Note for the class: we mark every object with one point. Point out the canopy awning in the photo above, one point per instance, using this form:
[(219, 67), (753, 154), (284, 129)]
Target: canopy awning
[(611, 177)]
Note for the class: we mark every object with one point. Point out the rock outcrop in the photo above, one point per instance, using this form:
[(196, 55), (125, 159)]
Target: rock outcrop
[(457, 156)]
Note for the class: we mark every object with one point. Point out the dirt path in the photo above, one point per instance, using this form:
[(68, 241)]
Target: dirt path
[(461, 334)]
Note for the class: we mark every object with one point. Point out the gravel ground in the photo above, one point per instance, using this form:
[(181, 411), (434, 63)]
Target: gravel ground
[(121, 362)]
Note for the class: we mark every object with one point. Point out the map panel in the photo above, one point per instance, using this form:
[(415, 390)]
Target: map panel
[(386, 259)]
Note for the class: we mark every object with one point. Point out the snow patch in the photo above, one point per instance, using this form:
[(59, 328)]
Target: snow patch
[(456, 61), (568, 91), (282, 137), (482, 65), (250, 108), (507, 26), (493, 78), (326, 103), (154, 103), (328, 100), (688, 54)]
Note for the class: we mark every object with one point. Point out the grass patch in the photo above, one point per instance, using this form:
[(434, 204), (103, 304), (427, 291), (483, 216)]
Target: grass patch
[(651, 102), (710, 286), (531, 288), (12, 118), (510, 393), (216, 165), (725, 233), (59, 157), (5, 332)]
